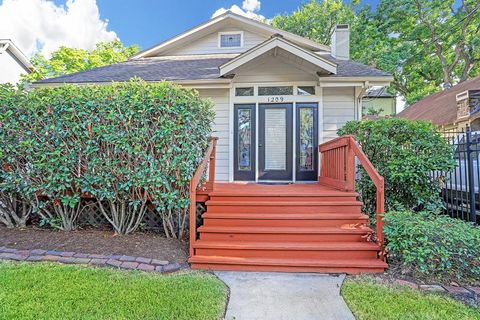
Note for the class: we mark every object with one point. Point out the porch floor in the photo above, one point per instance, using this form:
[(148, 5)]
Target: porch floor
[(260, 189)]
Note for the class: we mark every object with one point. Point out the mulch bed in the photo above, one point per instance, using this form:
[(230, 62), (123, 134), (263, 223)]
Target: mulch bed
[(139, 244)]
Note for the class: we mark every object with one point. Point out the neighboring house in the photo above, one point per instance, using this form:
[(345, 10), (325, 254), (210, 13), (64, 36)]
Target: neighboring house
[(13, 63), (377, 101), (451, 109), (277, 95)]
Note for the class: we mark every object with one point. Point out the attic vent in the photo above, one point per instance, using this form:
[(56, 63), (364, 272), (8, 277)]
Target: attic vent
[(342, 26), (230, 40)]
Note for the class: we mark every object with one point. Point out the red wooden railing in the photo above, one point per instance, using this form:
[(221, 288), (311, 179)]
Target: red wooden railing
[(208, 186), (338, 171)]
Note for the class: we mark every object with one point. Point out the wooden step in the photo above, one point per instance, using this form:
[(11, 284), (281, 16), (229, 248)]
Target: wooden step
[(283, 219), (351, 266), (285, 216), (285, 234), (253, 206), (292, 250)]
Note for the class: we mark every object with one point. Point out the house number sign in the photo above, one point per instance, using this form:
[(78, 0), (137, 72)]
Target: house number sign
[(275, 99)]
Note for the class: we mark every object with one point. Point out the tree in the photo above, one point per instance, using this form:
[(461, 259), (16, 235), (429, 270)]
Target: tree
[(69, 60), (317, 20), (427, 45)]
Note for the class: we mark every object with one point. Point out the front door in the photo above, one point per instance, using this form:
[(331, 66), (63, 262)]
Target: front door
[(275, 139)]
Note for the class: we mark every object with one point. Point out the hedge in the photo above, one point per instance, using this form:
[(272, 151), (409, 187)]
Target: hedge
[(130, 145), (405, 153), (433, 245)]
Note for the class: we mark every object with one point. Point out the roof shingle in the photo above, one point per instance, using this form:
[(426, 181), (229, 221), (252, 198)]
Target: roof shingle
[(186, 68)]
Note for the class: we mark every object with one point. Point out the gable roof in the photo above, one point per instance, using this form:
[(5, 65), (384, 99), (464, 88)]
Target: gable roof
[(206, 28), (188, 68), (441, 107), (8, 45), (275, 42)]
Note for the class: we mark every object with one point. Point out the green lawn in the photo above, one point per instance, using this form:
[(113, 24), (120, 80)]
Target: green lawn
[(369, 300), (53, 291)]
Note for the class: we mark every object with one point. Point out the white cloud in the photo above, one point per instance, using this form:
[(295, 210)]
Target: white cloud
[(249, 7), (40, 25)]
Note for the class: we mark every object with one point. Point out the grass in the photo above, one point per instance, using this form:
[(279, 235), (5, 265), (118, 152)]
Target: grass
[(369, 300), (53, 291)]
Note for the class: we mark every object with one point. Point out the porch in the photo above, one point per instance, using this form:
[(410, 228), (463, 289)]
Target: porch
[(302, 227)]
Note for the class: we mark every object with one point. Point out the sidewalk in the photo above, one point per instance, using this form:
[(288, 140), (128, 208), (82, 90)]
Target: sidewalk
[(284, 296)]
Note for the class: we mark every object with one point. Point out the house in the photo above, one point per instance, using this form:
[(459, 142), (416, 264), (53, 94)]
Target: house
[(378, 101), (451, 109), (277, 96), (13, 63)]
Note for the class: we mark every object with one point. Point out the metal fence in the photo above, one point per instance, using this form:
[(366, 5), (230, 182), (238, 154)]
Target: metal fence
[(460, 186)]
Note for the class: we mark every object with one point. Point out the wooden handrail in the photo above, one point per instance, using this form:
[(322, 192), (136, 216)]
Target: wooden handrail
[(338, 171), (209, 185)]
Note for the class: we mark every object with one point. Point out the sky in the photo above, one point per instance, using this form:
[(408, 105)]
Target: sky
[(45, 25)]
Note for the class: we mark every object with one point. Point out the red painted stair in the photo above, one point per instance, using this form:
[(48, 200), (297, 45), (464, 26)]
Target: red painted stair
[(294, 228)]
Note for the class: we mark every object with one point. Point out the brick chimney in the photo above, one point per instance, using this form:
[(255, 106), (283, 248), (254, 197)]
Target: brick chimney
[(340, 44)]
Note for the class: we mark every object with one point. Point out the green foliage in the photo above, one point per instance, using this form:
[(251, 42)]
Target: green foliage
[(405, 153), (371, 300), (131, 145), (433, 245), (68, 292), (426, 45), (69, 60), (317, 20)]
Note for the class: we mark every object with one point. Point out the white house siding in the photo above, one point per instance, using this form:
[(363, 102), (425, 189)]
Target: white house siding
[(209, 44), (272, 69), (10, 69), (338, 108), (220, 98)]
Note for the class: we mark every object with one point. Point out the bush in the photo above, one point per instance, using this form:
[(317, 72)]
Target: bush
[(434, 245), (133, 146), (405, 153)]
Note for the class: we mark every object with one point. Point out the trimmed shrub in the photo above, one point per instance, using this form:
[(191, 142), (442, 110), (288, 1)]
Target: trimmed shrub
[(405, 153), (433, 245), (14, 184), (131, 145)]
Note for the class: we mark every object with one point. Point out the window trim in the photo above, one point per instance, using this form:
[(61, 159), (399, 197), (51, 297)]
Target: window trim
[(219, 44)]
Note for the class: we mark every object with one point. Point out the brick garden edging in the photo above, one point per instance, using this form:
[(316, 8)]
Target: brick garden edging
[(458, 292), (68, 257)]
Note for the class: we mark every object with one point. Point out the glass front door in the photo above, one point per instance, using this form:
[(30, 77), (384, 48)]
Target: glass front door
[(275, 142)]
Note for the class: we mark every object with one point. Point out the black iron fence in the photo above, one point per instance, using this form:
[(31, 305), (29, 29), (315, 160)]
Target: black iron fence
[(460, 186)]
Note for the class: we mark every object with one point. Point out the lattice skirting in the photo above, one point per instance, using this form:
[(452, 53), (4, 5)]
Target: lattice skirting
[(152, 221)]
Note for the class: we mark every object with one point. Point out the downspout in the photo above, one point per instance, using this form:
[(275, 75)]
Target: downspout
[(359, 92)]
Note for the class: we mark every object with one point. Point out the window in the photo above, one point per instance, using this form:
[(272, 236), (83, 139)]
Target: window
[(306, 91), (230, 40), (275, 91), (244, 92)]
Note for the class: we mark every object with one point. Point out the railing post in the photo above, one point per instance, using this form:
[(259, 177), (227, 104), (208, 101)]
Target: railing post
[(471, 181), (380, 210), (193, 216), (211, 166), (350, 167)]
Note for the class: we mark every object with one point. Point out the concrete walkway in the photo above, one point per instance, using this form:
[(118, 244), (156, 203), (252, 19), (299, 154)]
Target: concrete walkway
[(284, 296)]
